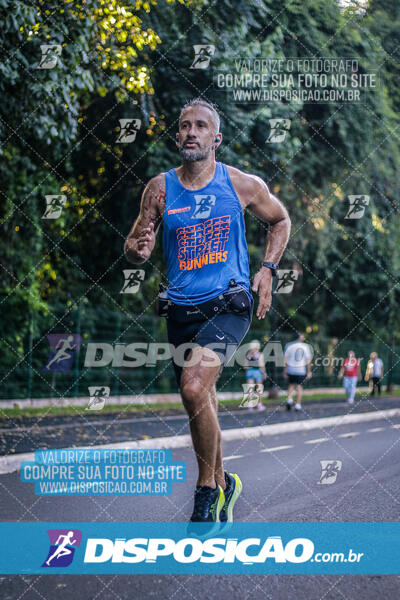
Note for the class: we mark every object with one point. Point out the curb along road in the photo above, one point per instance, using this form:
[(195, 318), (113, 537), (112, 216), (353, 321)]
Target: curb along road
[(11, 463)]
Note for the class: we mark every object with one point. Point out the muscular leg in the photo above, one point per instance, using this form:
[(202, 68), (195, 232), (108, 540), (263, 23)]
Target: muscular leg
[(197, 383), (219, 468)]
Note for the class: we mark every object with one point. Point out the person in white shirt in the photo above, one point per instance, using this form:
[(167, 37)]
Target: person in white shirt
[(375, 372), (297, 368)]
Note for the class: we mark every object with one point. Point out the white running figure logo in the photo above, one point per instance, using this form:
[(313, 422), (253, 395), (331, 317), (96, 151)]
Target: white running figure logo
[(62, 550), (62, 353)]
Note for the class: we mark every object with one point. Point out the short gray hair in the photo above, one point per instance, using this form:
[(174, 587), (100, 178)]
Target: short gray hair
[(209, 105)]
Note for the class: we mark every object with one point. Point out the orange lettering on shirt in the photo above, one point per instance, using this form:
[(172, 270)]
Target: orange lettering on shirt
[(206, 259), (173, 211)]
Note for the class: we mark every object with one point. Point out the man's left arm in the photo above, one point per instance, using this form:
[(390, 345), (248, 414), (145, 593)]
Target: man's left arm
[(268, 209), (309, 374)]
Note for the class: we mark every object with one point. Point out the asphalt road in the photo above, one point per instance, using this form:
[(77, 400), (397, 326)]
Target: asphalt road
[(280, 475), (19, 435)]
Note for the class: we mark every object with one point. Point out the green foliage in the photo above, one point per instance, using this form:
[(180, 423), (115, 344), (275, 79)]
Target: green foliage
[(59, 129)]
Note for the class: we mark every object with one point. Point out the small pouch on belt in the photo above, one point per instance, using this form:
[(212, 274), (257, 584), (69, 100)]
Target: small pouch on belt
[(236, 298)]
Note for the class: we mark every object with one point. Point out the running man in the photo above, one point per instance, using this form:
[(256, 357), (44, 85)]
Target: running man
[(64, 347), (207, 260), (287, 280), (131, 128), (132, 280), (53, 206), (62, 549), (297, 368), (359, 205), (203, 56)]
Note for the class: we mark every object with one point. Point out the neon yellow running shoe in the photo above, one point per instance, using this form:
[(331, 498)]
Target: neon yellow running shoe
[(233, 490)]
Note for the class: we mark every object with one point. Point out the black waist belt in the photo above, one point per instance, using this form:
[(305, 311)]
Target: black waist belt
[(235, 300)]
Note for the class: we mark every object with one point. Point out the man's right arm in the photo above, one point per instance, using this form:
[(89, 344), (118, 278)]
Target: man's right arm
[(308, 368), (142, 237)]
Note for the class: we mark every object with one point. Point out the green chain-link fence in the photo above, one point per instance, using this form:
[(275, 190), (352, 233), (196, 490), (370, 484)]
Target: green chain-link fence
[(115, 330)]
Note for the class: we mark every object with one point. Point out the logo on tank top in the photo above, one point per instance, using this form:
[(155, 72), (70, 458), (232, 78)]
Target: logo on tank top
[(203, 243), (174, 211), (204, 204)]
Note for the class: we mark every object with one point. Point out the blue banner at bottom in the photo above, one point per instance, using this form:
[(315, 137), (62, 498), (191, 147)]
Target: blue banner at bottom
[(148, 548)]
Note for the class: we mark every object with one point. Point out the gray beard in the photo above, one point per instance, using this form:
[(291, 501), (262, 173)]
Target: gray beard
[(195, 155)]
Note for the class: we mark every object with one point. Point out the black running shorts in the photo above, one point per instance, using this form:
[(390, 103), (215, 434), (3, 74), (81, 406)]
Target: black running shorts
[(222, 333), (297, 379)]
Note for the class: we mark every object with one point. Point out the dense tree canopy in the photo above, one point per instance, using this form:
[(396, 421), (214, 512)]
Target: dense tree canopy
[(59, 130)]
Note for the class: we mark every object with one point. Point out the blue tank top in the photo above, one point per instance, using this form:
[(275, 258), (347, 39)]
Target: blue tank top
[(204, 239)]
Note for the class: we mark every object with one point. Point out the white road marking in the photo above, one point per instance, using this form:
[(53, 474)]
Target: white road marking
[(10, 463), (318, 440), (375, 429), (349, 434), (234, 456), (396, 426), (276, 448)]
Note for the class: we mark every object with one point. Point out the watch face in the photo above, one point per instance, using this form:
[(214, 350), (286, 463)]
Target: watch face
[(272, 266)]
